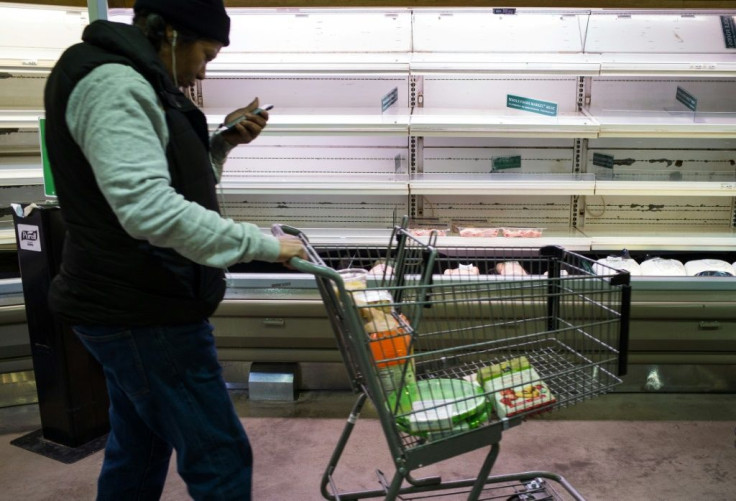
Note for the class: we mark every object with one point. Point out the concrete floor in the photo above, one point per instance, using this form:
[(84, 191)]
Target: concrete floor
[(621, 446)]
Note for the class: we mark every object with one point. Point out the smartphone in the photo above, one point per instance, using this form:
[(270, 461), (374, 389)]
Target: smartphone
[(235, 122)]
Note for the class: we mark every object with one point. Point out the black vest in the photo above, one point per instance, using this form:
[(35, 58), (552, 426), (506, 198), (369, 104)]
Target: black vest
[(106, 276)]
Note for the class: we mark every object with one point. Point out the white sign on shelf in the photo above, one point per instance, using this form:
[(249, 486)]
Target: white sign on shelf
[(29, 237)]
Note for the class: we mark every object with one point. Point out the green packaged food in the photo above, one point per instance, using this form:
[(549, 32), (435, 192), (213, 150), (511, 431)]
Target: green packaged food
[(507, 367)]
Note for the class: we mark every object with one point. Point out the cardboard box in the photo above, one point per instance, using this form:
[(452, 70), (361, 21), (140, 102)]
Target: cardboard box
[(519, 392), (496, 370)]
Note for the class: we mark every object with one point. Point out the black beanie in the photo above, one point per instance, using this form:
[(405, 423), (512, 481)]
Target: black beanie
[(206, 18)]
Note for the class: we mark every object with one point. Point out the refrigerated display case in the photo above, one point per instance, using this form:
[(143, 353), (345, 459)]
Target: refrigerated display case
[(602, 129)]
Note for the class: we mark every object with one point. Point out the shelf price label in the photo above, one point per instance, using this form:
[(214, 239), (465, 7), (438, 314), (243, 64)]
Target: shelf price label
[(504, 163), (686, 98), (534, 105), (729, 31), (601, 160)]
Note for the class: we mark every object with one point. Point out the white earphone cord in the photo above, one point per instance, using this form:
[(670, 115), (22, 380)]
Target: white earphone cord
[(173, 57), (173, 70)]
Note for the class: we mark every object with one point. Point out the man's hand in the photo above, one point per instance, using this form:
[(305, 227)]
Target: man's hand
[(249, 129)]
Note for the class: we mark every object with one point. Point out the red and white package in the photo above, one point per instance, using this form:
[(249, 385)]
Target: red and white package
[(518, 392)]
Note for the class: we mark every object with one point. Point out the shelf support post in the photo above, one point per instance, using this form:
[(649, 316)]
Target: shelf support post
[(97, 9)]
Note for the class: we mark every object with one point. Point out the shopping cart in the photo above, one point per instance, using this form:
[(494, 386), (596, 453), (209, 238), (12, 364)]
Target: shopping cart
[(455, 345)]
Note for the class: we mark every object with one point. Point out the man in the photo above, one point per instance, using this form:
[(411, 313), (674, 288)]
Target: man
[(143, 259)]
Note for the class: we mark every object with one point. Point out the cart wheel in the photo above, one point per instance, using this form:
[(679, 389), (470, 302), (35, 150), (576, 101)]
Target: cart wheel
[(536, 490), (536, 496)]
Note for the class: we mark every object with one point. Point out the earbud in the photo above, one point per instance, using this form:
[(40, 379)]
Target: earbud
[(174, 35)]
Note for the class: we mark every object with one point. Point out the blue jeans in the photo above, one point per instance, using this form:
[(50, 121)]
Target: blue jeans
[(166, 391)]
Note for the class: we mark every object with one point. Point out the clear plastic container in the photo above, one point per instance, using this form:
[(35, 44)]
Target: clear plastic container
[(354, 278)]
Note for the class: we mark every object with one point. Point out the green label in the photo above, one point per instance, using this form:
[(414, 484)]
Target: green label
[(686, 98), (533, 105), (602, 160), (503, 163), (729, 31), (49, 188)]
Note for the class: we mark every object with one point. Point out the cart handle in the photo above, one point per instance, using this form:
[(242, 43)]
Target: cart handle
[(314, 265)]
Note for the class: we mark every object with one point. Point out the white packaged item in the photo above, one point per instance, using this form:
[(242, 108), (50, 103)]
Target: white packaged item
[(379, 298), (662, 267), (381, 272), (709, 266), (617, 263), (431, 415), (518, 392), (510, 268), (462, 269), (353, 278)]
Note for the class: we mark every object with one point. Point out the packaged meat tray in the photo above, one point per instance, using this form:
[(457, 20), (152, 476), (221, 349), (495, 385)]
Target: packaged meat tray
[(709, 267), (511, 268), (662, 267), (422, 227), (478, 232), (475, 228), (462, 269), (522, 232)]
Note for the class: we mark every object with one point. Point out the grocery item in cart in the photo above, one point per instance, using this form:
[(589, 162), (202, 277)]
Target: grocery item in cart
[(389, 344), (709, 267), (496, 370), (389, 340), (658, 266), (354, 278), (445, 404), (381, 270), (375, 299), (617, 263), (518, 391), (510, 268)]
